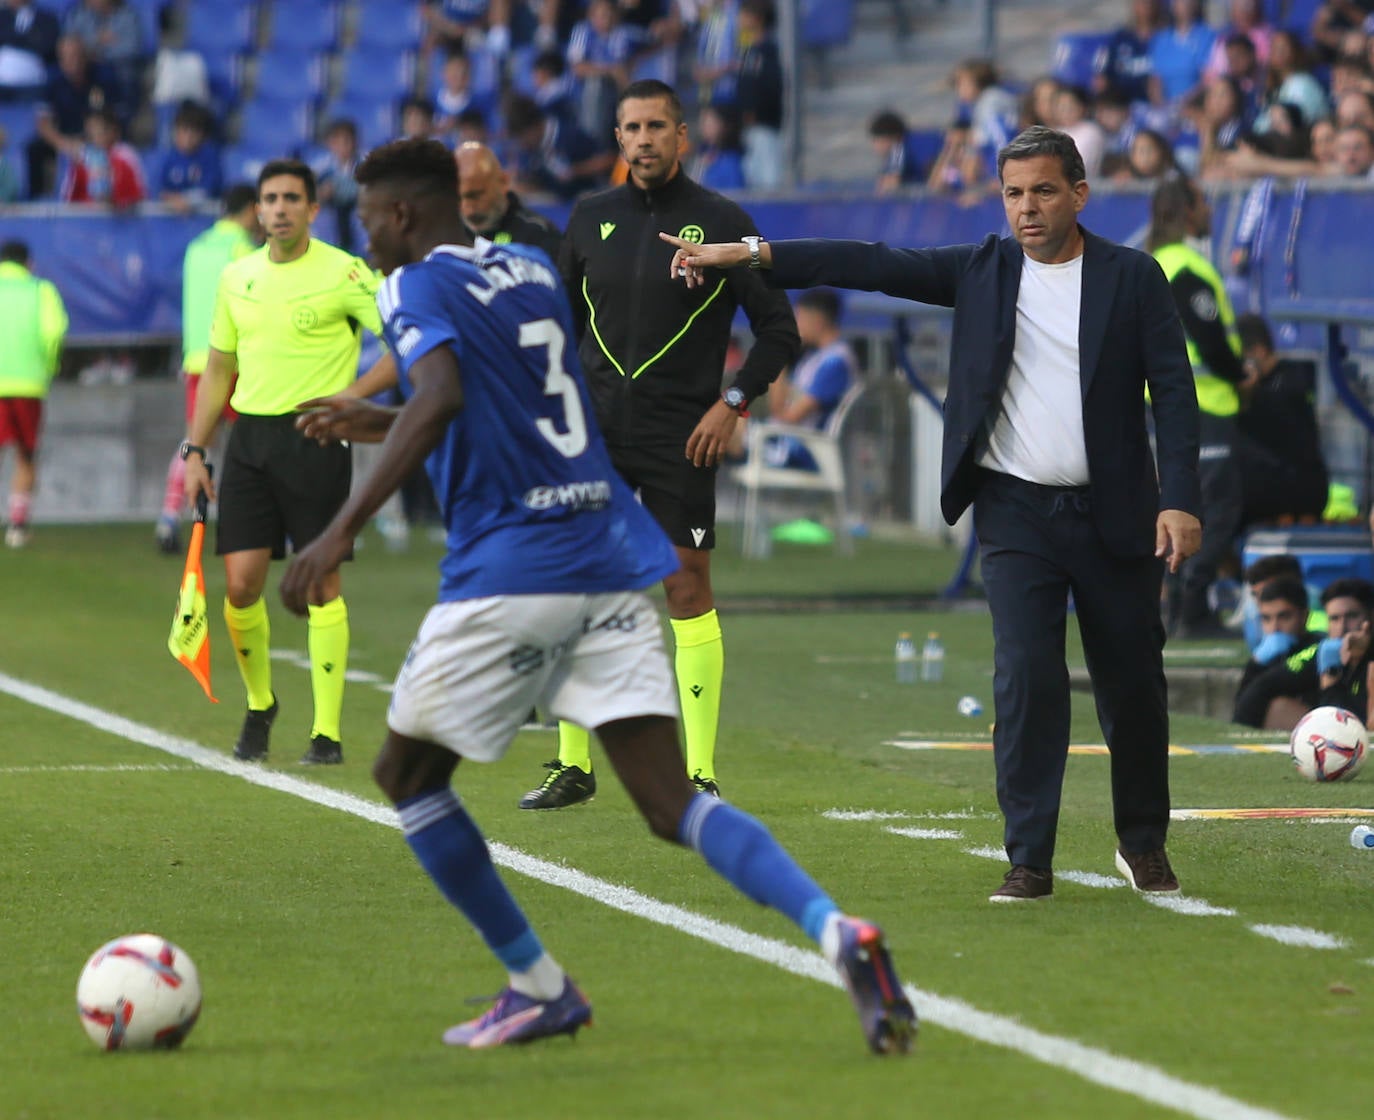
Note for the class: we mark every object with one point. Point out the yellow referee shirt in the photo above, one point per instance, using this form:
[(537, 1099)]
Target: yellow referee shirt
[(293, 326)]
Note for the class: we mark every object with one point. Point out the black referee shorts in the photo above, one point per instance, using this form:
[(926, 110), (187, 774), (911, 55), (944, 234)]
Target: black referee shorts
[(681, 496), (277, 486)]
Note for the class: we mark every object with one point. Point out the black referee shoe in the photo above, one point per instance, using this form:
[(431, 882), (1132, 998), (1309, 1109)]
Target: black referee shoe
[(253, 736), (323, 751)]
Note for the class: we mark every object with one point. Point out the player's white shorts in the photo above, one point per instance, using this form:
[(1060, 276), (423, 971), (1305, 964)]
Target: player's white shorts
[(478, 666)]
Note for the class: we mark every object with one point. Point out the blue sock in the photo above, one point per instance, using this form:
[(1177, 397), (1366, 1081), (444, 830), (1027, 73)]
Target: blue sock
[(744, 852), (451, 849)]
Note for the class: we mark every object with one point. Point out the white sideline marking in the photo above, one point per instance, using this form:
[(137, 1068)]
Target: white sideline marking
[(927, 833), (1182, 904), (75, 768), (987, 853), (358, 676), (880, 815), (1301, 936), (1090, 879), (1101, 1067)]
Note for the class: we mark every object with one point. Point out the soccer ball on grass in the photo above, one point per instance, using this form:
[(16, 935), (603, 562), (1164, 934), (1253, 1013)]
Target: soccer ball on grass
[(138, 992), (1328, 745)]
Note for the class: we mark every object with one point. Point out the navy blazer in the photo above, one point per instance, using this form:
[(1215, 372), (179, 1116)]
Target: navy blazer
[(1129, 337)]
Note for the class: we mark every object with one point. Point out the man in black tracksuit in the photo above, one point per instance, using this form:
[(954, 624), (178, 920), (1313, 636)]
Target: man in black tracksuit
[(654, 354), (494, 211)]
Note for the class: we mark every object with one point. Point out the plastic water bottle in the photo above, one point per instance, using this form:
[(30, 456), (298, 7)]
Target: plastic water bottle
[(932, 658), (905, 657), (1362, 837)]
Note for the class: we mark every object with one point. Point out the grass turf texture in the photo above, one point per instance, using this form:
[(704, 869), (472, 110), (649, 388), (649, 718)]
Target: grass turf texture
[(330, 964)]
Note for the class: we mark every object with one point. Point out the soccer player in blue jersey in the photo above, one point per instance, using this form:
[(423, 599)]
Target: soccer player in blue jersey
[(541, 593)]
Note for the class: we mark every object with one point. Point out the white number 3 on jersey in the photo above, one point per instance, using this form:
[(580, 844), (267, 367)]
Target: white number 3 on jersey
[(558, 383)]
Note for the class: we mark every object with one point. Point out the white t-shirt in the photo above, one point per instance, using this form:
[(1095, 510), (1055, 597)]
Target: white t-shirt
[(1037, 433)]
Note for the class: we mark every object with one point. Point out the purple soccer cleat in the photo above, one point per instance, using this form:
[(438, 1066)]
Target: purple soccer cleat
[(516, 1018), (888, 1020)]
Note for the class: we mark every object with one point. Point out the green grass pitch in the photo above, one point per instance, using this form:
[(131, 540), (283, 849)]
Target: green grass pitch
[(331, 966)]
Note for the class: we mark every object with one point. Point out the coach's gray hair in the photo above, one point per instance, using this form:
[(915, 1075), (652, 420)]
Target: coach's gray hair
[(1041, 141)]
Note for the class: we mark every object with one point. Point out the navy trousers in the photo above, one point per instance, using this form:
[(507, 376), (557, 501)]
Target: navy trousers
[(1037, 544)]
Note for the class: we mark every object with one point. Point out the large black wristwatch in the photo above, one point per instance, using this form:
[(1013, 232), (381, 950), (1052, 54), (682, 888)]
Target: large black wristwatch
[(735, 398), (189, 448)]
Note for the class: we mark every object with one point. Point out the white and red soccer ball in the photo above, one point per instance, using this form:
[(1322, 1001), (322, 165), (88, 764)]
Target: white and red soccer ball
[(1329, 745), (138, 992)]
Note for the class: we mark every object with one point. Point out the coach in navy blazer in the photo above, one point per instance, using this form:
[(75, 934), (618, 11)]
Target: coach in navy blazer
[(1045, 435)]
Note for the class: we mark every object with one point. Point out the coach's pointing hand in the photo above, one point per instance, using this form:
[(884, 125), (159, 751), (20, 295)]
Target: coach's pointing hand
[(691, 260)]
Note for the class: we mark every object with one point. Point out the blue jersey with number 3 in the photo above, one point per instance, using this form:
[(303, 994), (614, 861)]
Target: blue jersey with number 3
[(529, 497)]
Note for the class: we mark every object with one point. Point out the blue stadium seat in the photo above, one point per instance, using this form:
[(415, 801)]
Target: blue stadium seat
[(148, 12), (288, 75), (242, 162), (304, 25), (393, 24), (222, 27), (1079, 56), (826, 23), (224, 72), (382, 73), (279, 126), (376, 120), (486, 70)]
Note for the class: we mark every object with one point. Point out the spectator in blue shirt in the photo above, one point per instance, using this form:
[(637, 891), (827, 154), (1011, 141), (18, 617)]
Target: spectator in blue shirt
[(718, 161), (555, 156), (600, 52), (1125, 63), (553, 85), (337, 188), (894, 146), (449, 22), (455, 95), (191, 172), (1178, 54), (760, 92)]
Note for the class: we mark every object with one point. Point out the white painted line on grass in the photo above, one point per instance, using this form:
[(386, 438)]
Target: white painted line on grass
[(358, 676), (881, 815), (79, 769), (1090, 879), (1101, 1067), (987, 853), (1301, 936), (1182, 904), (927, 833)]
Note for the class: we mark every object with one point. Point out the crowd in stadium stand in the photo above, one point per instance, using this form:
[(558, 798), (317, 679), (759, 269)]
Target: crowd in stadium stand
[(120, 101), (1167, 89)]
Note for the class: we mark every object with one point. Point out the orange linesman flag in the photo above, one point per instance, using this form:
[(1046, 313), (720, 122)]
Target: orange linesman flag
[(189, 641)]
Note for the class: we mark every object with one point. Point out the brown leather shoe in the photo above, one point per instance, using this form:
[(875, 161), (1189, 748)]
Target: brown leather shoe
[(1024, 884), (1147, 871)]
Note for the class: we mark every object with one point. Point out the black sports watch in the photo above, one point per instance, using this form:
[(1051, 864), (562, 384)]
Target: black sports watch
[(734, 397), (189, 448)]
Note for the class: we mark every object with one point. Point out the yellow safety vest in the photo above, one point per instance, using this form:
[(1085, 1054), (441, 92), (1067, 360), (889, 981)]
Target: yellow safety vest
[(1215, 395)]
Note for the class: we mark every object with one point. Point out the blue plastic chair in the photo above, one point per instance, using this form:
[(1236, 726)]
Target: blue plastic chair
[(288, 75), (379, 73), (223, 27), (376, 120), (390, 24), (1079, 56), (279, 126), (305, 26)]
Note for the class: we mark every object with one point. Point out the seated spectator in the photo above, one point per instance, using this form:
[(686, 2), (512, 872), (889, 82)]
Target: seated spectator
[(1283, 618), (456, 95), (101, 167), (1284, 152), (1243, 67), (990, 110), (1355, 106), (1278, 444), (112, 35), (1322, 142), (959, 165), (1037, 103), (471, 126), (453, 24), (599, 55), (1178, 54), (1220, 123), (760, 93), (1289, 81), (1112, 112), (1333, 671), (1125, 63), (417, 119), (1247, 24), (894, 146), (1349, 74), (716, 67), (1330, 23), (1071, 116), (555, 157), (718, 160), (335, 185), (1151, 159), (75, 87), (1354, 153), (28, 46), (191, 172), (553, 85), (9, 175)]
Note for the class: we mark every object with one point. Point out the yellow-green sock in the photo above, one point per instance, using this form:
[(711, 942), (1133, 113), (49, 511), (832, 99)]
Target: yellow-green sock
[(574, 746), (700, 666), (328, 641), (251, 634)]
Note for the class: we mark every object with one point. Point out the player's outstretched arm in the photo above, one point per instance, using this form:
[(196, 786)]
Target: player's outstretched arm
[(690, 261), (381, 377), (337, 418)]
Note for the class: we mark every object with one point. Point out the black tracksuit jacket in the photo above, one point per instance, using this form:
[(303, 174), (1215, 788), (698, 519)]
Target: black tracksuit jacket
[(654, 350)]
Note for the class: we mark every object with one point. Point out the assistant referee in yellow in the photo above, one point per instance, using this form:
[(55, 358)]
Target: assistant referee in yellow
[(287, 320)]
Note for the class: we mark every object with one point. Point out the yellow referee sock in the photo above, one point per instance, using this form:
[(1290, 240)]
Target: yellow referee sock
[(700, 666), (328, 642), (251, 634), (574, 746)]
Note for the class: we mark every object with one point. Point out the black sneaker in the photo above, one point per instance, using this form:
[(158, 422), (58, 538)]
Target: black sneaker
[(565, 785), (253, 736), (706, 785), (1148, 871), (1024, 884), (323, 751)]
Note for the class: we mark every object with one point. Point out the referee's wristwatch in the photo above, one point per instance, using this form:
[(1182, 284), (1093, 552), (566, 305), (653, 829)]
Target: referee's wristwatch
[(189, 448), (753, 240), (734, 398)]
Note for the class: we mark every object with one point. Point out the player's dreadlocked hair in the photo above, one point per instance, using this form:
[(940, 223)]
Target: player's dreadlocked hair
[(425, 166)]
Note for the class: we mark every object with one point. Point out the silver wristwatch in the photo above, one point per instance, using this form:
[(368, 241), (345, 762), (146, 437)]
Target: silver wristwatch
[(753, 241)]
